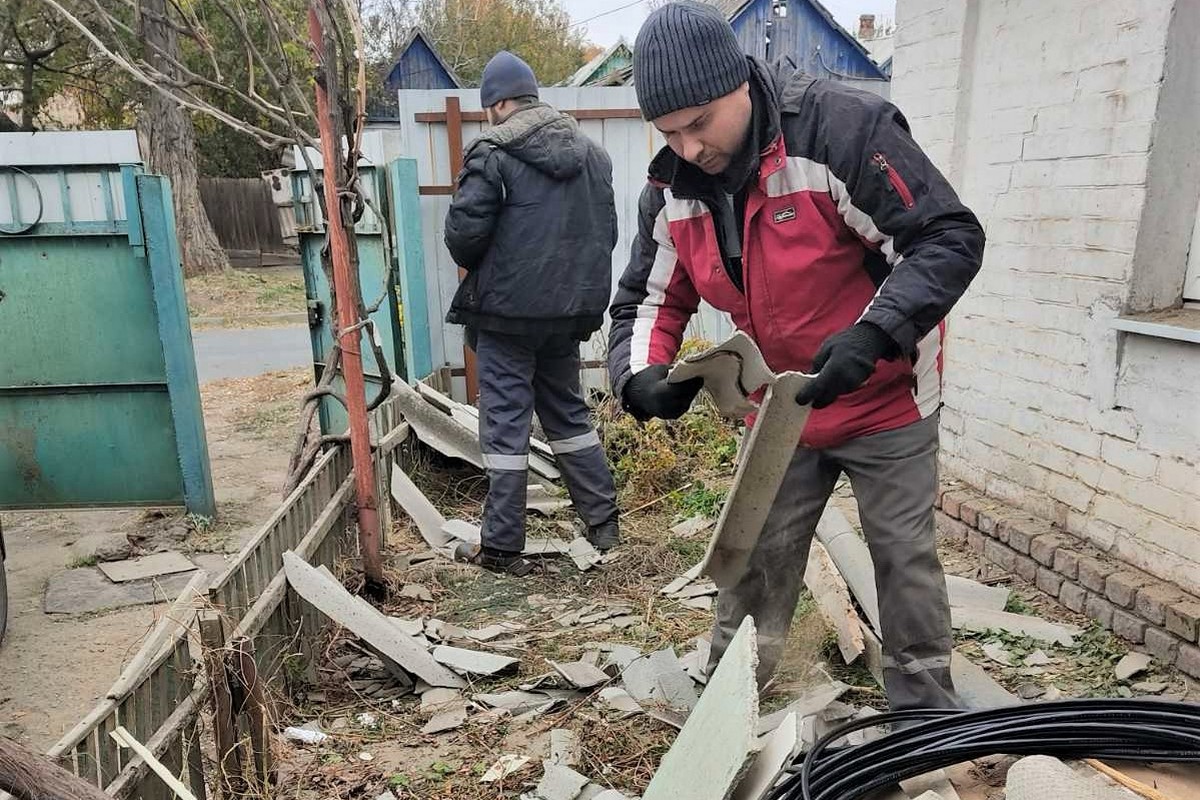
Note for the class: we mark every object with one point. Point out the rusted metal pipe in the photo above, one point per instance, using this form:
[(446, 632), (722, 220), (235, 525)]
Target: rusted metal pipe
[(345, 285)]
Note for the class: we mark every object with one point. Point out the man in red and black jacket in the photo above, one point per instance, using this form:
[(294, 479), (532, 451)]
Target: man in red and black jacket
[(805, 210)]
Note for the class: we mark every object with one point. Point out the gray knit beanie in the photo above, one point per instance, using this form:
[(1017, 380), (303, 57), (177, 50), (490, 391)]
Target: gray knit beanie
[(506, 76), (686, 54)]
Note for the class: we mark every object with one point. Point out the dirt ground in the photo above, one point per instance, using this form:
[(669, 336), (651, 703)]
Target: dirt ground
[(54, 668)]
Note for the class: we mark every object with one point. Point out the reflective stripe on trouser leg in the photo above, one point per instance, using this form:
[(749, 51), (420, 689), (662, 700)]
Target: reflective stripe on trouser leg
[(771, 586), (894, 476), (568, 424), (505, 367)]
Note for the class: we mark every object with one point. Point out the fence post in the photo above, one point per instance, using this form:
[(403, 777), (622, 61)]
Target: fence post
[(230, 782)]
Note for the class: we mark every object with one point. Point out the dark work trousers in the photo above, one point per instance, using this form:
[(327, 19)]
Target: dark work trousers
[(894, 477), (518, 375)]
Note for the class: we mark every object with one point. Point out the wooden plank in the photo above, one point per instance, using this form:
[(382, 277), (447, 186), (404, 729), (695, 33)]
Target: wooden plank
[(229, 756), (442, 191), (331, 599), (254, 707), (184, 714), (171, 627), (178, 789), (454, 143)]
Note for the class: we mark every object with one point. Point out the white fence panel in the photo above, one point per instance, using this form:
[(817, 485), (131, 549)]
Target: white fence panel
[(630, 142)]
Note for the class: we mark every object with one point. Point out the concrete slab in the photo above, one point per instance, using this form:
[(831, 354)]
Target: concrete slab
[(774, 756), (709, 756), (759, 475), (981, 620), (151, 566), (412, 500), (580, 675), (382, 634), (560, 782), (967, 593), (474, 662), (832, 596), (86, 590)]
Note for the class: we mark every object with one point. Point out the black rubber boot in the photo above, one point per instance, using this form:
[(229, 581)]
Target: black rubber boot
[(498, 561), (606, 536)]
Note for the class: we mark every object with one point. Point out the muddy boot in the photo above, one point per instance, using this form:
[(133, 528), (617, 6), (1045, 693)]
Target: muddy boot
[(606, 536), (498, 561)]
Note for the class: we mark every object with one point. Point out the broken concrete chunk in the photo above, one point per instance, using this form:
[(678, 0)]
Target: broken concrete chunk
[(581, 551), (1038, 658), (409, 627), (691, 527), (513, 702), (331, 599), (770, 449), (495, 631), (704, 766), (473, 662), (619, 655), (413, 591), (560, 782), (980, 620), (1149, 687), (775, 754), (580, 675), (503, 767), (564, 747), (1131, 664), (702, 589), (133, 569)]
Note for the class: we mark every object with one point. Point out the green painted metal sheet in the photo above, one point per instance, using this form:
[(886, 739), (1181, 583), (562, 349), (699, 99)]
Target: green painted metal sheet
[(409, 267)]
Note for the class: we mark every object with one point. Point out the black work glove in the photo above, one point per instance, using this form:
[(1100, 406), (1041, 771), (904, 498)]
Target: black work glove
[(845, 361), (648, 395)]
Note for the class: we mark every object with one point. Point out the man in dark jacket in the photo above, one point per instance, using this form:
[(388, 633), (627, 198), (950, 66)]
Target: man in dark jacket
[(805, 210), (534, 224)]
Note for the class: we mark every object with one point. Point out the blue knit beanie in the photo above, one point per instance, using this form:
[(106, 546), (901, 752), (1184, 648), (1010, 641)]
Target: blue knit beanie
[(506, 76)]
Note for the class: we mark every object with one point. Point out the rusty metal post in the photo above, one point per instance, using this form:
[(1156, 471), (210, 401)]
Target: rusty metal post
[(346, 284)]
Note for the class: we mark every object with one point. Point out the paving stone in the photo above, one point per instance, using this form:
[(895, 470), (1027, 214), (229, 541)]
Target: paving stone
[(1122, 587), (1183, 619), (1026, 567), (1066, 563), (1152, 601), (1189, 660), (1073, 596), (1100, 610), (1162, 645), (151, 566), (704, 766), (1128, 626), (1093, 573), (82, 590), (1043, 548), (1049, 581)]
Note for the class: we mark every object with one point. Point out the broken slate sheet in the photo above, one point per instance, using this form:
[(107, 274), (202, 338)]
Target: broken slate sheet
[(981, 620), (659, 679), (560, 782), (692, 527), (474, 662), (832, 596), (436, 429), (151, 566), (781, 745), (365, 621), (709, 756), (769, 451), (732, 372), (1040, 777), (580, 674)]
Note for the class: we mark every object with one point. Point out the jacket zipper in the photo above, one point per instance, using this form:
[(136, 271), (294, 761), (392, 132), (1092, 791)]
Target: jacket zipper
[(894, 178)]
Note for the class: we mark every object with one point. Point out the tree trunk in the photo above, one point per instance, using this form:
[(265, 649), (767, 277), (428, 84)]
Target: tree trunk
[(168, 143), (28, 102), (28, 776)]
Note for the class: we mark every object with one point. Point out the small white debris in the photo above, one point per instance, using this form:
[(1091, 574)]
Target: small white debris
[(369, 720), (505, 765), (305, 735), (365, 756)]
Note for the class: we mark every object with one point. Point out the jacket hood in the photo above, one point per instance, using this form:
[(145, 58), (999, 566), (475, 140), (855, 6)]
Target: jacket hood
[(543, 138)]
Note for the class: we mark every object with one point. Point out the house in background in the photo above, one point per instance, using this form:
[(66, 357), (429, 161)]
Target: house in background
[(805, 32), (606, 68), (879, 37), (419, 66)]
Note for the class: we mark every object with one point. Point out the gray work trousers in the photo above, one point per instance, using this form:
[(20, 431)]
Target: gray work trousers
[(518, 375), (894, 477)]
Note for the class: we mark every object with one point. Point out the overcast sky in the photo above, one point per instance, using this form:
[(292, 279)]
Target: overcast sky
[(606, 29)]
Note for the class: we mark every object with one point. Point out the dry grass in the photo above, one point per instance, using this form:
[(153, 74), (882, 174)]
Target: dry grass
[(243, 298)]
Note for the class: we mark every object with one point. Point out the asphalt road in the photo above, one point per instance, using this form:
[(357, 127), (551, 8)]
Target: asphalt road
[(246, 352)]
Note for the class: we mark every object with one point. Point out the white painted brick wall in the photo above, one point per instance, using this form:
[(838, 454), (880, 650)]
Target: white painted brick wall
[(1046, 131)]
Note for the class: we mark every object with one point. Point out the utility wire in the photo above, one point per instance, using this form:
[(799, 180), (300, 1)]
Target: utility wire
[(606, 13)]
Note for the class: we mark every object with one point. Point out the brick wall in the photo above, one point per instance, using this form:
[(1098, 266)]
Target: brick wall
[(1160, 617), (1043, 115)]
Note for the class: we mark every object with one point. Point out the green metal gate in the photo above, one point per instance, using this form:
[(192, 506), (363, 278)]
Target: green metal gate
[(99, 402)]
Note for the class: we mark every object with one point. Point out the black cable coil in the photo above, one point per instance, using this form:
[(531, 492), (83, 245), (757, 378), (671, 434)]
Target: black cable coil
[(927, 740)]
